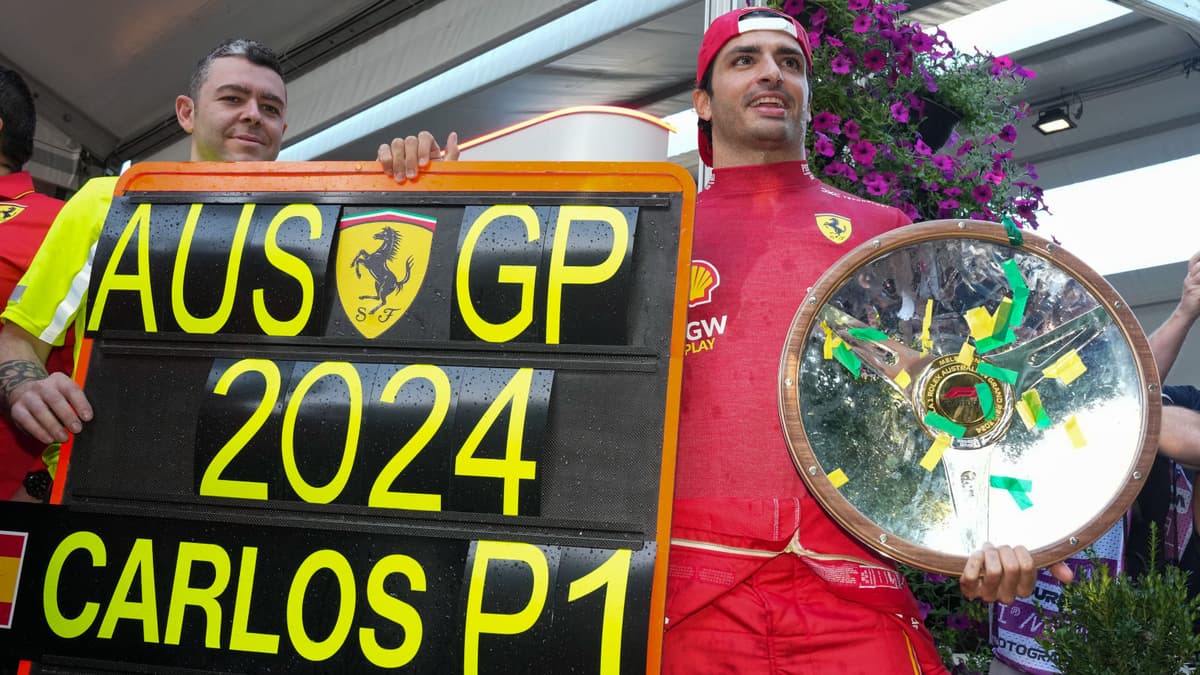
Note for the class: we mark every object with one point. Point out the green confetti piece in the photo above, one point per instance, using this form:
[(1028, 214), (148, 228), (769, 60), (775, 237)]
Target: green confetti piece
[(995, 342), (1016, 487), (869, 334), (1014, 234), (848, 359), (942, 424), (1015, 281), (1017, 316), (996, 372), (987, 403)]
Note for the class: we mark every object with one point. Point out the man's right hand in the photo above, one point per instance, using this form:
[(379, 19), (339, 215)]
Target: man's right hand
[(44, 407)]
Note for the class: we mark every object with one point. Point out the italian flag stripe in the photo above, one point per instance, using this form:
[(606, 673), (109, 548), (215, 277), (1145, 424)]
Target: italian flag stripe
[(390, 216)]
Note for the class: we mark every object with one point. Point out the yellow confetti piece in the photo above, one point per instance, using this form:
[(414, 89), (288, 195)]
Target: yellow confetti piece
[(980, 322), (1074, 432), (1026, 414), (838, 478), (934, 455), (1067, 368), (830, 341), (966, 355), (902, 378), (926, 324)]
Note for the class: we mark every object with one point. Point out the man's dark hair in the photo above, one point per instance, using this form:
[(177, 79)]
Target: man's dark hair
[(20, 120), (251, 50)]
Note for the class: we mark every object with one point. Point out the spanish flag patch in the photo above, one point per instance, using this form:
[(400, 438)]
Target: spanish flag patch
[(12, 552)]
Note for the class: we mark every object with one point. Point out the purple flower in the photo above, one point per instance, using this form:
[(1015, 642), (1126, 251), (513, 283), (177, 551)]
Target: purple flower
[(943, 163), (1024, 73), (876, 184), (874, 60), (863, 152), (904, 62), (1029, 170), (834, 42), (924, 607), (1001, 65), (823, 146), (819, 18), (982, 193), (994, 177), (857, 5), (910, 211), (814, 40), (953, 191), (840, 64), (851, 129), (827, 121), (1008, 134), (835, 168), (947, 207), (863, 23), (990, 139), (920, 41), (793, 7), (899, 112), (930, 83), (922, 148), (963, 149), (958, 621)]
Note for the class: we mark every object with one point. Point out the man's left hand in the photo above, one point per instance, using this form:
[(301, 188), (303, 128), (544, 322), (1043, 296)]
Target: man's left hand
[(1004, 573), (404, 157)]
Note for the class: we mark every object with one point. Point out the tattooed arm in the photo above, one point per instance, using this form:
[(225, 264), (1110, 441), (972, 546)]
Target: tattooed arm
[(44, 406)]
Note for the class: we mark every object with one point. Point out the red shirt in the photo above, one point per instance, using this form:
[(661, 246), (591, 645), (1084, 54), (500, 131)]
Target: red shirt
[(24, 218), (764, 234)]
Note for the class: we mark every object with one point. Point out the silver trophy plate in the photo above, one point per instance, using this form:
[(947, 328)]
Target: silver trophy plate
[(945, 385)]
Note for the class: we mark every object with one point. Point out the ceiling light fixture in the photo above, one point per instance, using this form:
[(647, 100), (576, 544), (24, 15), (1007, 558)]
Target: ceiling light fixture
[(1054, 120)]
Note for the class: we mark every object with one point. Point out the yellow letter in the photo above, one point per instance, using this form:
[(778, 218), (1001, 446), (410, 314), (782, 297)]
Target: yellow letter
[(306, 646), (240, 638), (293, 267), (479, 622), (183, 595), (140, 281), (525, 275), (561, 274), (139, 565), (397, 611), (213, 324), (61, 625)]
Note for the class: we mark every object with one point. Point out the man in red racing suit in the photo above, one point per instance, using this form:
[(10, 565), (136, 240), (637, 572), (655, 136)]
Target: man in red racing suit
[(761, 580)]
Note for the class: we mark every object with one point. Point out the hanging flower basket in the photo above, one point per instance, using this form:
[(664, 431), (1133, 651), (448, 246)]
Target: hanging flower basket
[(882, 86)]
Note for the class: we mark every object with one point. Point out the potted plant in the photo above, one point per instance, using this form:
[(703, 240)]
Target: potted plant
[(1125, 625), (882, 86)]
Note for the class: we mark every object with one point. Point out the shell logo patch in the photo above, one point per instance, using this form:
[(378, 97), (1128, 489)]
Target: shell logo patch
[(382, 257), (9, 210), (704, 280), (835, 228)]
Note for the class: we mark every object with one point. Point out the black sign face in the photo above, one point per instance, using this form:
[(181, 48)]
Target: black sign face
[(233, 596), (375, 428)]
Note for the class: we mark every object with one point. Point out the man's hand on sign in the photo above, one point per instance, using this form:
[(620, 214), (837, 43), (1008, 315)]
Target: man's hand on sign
[(404, 157), (1004, 573), (43, 406)]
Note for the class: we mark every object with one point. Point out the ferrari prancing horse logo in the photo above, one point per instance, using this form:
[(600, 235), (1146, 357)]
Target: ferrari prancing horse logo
[(835, 228), (9, 210), (381, 261)]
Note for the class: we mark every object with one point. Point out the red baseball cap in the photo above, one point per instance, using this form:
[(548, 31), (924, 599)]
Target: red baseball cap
[(732, 24)]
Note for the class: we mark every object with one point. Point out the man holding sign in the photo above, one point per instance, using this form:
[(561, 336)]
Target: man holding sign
[(235, 110), (761, 579)]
